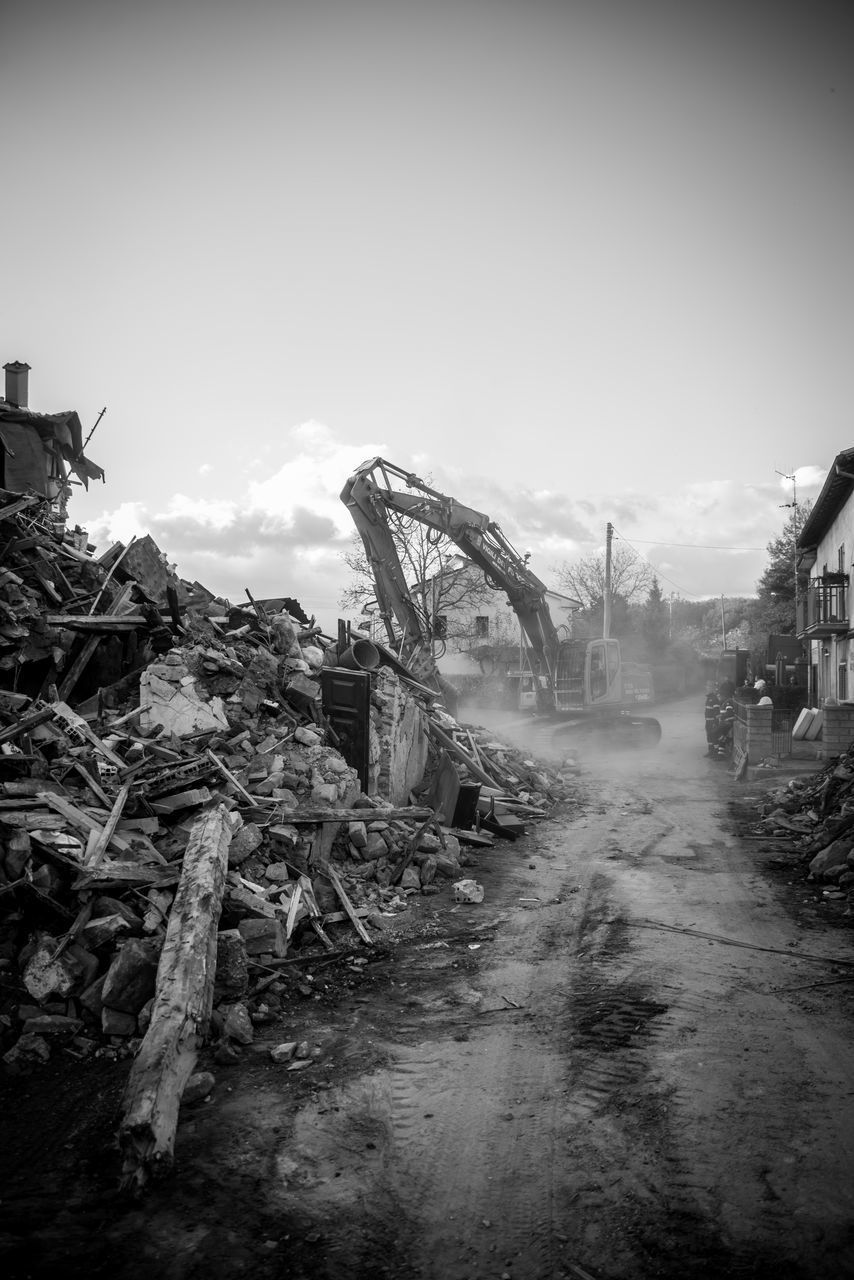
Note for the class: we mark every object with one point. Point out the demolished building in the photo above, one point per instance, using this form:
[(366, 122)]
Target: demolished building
[(192, 792), (39, 452)]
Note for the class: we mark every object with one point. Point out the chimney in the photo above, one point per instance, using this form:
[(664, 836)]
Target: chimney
[(16, 383)]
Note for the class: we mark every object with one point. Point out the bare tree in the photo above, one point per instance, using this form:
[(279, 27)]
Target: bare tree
[(442, 583), (361, 590), (631, 577)]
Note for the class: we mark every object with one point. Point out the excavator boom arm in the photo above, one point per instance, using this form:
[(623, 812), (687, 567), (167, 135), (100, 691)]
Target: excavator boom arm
[(369, 496)]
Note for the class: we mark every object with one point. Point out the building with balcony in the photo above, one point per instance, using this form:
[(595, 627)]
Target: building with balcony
[(825, 549)]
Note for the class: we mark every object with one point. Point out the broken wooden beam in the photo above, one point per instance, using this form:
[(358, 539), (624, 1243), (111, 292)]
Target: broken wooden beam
[(126, 875), (293, 908), (70, 722), (97, 622), (82, 821), (314, 912), (25, 724), (98, 849), (80, 663), (182, 1006), (453, 748), (335, 880), (410, 850), (417, 813), (20, 505), (229, 776)]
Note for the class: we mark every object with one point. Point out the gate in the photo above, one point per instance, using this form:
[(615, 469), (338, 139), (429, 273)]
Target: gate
[(782, 723)]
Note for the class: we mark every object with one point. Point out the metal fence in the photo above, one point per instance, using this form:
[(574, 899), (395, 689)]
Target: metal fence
[(782, 722)]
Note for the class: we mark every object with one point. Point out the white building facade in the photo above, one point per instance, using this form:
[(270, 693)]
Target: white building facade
[(825, 552), (476, 632)]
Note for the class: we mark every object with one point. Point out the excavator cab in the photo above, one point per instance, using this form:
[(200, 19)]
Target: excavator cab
[(588, 674)]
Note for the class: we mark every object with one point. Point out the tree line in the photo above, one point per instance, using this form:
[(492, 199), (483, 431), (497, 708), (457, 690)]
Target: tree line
[(652, 625)]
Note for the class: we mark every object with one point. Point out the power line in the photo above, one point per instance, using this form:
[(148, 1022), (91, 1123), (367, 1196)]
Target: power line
[(656, 570), (702, 546)]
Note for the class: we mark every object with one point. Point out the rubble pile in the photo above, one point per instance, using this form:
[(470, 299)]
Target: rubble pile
[(171, 790), (815, 813)]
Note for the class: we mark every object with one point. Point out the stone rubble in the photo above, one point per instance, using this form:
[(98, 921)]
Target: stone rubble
[(131, 702), (814, 813)]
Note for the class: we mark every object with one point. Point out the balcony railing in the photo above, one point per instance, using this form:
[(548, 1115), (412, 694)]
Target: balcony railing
[(823, 610)]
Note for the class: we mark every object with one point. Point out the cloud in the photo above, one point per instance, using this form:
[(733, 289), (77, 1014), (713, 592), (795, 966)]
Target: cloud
[(703, 540), (236, 533), (807, 479), (286, 533)]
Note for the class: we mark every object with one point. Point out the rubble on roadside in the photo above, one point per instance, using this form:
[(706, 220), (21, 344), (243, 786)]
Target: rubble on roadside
[(815, 814), (166, 769)]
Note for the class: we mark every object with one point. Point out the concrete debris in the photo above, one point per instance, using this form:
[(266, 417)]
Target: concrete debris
[(284, 1052), (141, 717), (814, 813), (468, 891)]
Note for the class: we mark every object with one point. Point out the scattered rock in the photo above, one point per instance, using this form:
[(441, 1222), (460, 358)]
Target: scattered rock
[(281, 1053), (199, 1086)]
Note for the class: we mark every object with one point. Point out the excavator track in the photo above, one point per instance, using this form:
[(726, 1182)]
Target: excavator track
[(550, 739)]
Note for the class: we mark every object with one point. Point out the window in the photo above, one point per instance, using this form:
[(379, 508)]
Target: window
[(481, 628), (842, 682), (841, 558), (598, 675)]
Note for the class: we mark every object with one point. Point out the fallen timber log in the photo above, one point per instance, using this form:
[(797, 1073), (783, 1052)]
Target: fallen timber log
[(453, 748), (182, 1006), (316, 815)]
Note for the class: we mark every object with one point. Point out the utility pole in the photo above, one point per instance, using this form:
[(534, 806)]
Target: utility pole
[(723, 623), (606, 608), (793, 505)]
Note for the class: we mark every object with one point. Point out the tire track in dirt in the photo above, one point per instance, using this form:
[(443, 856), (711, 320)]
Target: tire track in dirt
[(494, 1141), (593, 1125)]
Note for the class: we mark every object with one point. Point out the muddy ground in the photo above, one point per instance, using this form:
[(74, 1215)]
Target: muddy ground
[(632, 1060)]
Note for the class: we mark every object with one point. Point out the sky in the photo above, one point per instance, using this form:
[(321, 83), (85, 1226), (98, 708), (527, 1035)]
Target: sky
[(575, 262)]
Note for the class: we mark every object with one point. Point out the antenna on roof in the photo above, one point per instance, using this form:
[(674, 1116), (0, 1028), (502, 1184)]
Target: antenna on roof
[(92, 432), (793, 478)]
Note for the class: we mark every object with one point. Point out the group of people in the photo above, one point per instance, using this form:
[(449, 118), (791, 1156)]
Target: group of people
[(756, 691), (720, 711), (720, 715)]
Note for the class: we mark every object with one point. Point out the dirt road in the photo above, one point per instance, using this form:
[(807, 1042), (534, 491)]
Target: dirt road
[(568, 1080)]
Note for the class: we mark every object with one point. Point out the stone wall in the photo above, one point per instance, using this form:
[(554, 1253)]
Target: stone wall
[(398, 740), (752, 732), (837, 733)]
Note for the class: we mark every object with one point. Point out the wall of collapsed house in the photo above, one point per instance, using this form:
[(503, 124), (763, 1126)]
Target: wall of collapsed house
[(399, 732)]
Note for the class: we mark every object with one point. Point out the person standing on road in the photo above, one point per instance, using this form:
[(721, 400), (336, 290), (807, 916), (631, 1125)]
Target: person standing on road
[(712, 711), (722, 744)]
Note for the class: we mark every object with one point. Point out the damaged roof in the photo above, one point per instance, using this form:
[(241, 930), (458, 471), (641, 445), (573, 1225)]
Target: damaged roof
[(835, 492), (25, 438)]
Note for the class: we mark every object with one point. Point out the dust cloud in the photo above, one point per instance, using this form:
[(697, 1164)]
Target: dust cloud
[(568, 745)]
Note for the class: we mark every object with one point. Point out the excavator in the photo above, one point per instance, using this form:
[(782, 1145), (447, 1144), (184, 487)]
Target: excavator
[(578, 683)]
